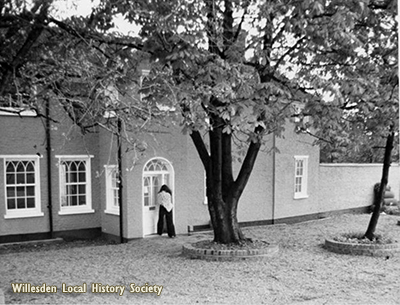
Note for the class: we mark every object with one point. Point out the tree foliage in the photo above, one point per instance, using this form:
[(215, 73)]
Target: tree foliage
[(367, 91), (92, 73)]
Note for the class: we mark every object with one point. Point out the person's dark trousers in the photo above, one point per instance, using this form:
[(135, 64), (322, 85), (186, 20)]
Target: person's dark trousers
[(170, 224)]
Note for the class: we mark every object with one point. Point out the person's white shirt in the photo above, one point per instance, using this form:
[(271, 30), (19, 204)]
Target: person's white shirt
[(165, 200)]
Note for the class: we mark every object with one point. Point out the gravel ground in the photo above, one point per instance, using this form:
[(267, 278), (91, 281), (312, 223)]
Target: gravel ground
[(302, 273)]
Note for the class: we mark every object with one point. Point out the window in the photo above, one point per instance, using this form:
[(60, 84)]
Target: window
[(22, 186), (205, 201), (156, 166), (301, 120), (297, 109), (151, 187), (112, 189), (75, 185), (156, 174), (17, 111), (300, 177)]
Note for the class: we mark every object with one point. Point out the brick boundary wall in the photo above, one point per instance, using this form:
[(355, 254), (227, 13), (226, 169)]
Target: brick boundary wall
[(229, 255), (362, 249)]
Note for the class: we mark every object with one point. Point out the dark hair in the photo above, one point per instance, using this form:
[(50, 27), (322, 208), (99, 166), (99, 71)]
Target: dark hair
[(165, 188)]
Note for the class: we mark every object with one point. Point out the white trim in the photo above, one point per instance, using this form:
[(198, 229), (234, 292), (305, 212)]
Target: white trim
[(112, 212), (205, 198), (10, 215), (109, 114), (303, 193), (75, 210), (18, 112), (171, 173), (25, 212), (110, 207), (73, 157), (81, 209), (21, 157)]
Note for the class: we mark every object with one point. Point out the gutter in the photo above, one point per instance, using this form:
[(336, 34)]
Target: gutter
[(273, 175), (120, 185), (398, 69), (49, 171)]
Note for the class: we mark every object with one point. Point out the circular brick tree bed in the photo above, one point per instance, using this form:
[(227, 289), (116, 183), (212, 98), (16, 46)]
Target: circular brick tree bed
[(369, 249), (207, 250)]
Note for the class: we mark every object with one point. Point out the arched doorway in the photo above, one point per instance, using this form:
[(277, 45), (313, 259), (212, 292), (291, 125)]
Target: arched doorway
[(156, 172)]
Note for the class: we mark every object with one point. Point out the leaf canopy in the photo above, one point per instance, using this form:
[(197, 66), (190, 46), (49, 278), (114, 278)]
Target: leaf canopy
[(252, 63)]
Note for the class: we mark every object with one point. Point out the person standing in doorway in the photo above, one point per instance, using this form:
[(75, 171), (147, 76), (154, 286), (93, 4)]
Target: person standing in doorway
[(164, 199)]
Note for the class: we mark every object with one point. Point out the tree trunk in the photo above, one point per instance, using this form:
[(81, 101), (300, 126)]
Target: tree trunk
[(224, 192), (370, 234), (224, 222)]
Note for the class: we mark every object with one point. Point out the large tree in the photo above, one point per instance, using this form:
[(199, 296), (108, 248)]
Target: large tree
[(364, 113), (235, 70)]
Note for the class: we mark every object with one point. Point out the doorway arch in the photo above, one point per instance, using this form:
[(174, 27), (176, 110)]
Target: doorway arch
[(156, 172)]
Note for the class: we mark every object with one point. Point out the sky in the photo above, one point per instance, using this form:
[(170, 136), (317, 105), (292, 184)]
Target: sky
[(67, 8)]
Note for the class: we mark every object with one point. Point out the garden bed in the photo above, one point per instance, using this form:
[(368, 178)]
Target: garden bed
[(358, 244), (247, 250), (363, 248)]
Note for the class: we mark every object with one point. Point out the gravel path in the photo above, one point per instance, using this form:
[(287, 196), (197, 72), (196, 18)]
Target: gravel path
[(303, 272)]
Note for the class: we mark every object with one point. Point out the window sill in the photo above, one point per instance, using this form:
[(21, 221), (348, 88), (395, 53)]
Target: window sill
[(112, 212), (300, 197), (15, 111), (75, 211), (25, 215)]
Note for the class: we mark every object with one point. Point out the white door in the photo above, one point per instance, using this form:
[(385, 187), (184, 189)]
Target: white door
[(156, 173)]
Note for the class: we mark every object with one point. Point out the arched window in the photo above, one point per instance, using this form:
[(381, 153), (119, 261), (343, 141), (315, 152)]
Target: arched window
[(22, 186), (156, 173), (156, 165)]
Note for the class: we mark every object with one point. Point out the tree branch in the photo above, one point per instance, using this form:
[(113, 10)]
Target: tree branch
[(33, 36), (85, 35), (381, 4), (288, 52), (248, 164), (201, 148)]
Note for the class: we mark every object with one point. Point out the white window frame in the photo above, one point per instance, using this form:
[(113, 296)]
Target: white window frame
[(111, 198), (205, 200), (297, 109), (15, 111), (25, 212), (301, 177), (161, 168), (79, 209)]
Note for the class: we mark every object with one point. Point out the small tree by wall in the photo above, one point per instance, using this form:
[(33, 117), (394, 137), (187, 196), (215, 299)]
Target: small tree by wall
[(378, 199)]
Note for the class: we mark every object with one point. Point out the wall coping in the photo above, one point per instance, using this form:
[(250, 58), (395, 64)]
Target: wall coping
[(355, 165)]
